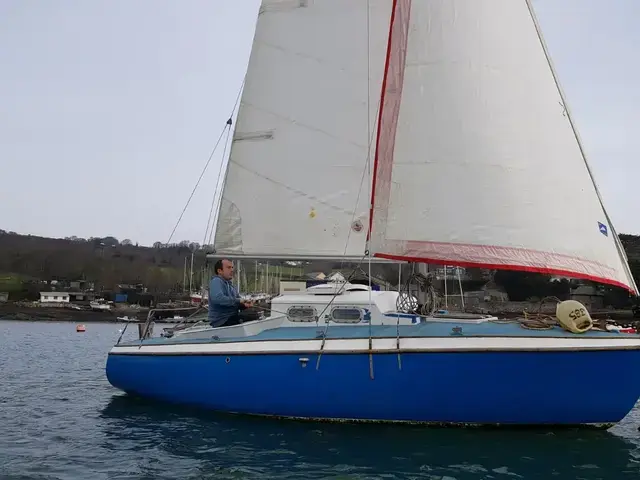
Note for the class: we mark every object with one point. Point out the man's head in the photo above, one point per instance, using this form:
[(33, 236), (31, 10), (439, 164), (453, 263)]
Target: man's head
[(224, 268)]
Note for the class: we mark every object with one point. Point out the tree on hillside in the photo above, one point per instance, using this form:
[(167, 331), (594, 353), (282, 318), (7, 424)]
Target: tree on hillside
[(110, 241), (104, 263)]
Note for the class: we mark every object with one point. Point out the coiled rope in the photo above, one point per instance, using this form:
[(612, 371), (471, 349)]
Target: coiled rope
[(537, 320), (408, 303)]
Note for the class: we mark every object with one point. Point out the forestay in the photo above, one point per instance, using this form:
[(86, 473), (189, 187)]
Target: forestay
[(297, 183), (477, 162)]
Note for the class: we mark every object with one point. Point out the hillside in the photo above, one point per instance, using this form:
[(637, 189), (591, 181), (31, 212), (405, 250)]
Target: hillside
[(108, 262), (104, 261), (631, 245)]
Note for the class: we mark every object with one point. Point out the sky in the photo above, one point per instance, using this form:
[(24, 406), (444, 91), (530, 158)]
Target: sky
[(110, 109)]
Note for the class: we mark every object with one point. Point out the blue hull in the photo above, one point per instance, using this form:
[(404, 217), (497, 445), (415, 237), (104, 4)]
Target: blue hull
[(519, 388)]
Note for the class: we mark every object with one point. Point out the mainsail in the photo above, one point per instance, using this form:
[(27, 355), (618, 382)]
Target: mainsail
[(477, 162), (298, 181)]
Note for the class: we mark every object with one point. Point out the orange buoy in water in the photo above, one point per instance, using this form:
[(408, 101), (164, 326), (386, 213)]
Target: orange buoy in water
[(80, 328)]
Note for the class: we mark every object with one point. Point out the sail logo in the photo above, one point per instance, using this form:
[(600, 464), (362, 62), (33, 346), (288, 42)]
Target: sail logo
[(357, 226), (603, 229)]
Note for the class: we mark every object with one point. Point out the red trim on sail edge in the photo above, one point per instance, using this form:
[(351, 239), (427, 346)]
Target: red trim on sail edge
[(382, 96), (504, 250), (548, 271)]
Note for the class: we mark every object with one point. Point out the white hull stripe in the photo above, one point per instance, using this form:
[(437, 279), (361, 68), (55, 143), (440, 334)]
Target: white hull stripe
[(434, 344)]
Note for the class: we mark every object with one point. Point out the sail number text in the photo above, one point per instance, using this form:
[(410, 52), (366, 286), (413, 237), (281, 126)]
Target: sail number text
[(577, 313)]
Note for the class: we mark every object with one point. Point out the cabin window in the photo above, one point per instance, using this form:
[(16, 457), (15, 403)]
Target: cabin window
[(346, 315), (302, 314)]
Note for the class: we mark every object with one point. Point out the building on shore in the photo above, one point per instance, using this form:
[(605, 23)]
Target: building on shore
[(81, 297), (54, 297), (591, 296)]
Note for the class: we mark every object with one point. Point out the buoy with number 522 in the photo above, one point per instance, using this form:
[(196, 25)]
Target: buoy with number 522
[(80, 328), (574, 316)]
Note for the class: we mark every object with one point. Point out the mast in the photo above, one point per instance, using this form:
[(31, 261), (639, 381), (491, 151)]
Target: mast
[(184, 276), (191, 274)]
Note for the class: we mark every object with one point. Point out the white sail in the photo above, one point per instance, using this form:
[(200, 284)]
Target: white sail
[(297, 183), (477, 161)]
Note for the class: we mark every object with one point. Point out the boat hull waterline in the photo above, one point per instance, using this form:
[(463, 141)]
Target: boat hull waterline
[(455, 380)]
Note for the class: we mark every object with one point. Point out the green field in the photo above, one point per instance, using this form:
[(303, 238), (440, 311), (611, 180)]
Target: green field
[(11, 282)]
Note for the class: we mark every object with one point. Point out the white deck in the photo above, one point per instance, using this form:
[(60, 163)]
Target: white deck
[(319, 306)]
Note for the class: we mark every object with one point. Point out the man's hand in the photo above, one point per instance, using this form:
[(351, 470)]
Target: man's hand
[(247, 304)]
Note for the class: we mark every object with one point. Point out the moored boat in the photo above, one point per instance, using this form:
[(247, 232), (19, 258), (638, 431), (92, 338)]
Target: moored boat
[(402, 99)]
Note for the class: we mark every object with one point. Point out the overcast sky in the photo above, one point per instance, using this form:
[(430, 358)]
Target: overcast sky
[(109, 109)]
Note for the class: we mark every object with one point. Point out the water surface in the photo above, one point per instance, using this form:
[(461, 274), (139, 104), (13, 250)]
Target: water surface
[(60, 419)]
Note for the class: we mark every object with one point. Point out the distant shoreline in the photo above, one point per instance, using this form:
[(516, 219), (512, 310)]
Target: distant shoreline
[(12, 312), (62, 320), (112, 321)]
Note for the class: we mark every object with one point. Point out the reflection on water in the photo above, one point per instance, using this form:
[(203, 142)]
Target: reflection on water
[(266, 448)]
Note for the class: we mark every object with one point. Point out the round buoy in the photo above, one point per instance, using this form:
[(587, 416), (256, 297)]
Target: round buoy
[(573, 316), (80, 328)]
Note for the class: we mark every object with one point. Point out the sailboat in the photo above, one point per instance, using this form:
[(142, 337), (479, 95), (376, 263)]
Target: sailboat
[(431, 131)]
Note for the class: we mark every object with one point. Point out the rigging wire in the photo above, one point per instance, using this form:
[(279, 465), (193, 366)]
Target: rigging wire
[(368, 252), (219, 190), (210, 223), (335, 295), (365, 170), (196, 185), (326, 327), (226, 125), (398, 320), (370, 139)]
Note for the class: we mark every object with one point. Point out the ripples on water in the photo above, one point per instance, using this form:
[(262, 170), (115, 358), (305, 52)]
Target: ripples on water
[(60, 419)]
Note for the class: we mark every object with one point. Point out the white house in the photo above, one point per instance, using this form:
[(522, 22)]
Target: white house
[(54, 297)]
